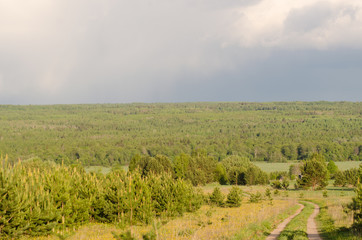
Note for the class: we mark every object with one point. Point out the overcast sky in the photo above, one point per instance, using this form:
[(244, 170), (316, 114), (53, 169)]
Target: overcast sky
[(117, 51)]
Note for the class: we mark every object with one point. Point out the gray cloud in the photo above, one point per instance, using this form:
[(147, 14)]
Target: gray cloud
[(124, 51), (308, 18)]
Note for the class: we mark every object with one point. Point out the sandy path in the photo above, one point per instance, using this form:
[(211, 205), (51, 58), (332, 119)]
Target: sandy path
[(312, 230), (275, 234)]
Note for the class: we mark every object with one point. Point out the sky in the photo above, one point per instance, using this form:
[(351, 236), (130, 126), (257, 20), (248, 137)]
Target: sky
[(121, 51)]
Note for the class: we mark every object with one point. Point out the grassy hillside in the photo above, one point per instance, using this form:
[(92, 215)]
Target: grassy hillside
[(113, 133)]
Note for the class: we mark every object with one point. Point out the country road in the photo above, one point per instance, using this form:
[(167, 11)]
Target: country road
[(275, 234), (312, 230)]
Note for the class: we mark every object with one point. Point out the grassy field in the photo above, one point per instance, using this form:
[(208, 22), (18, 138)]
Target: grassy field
[(98, 169), (267, 167), (273, 167), (250, 221), (258, 219)]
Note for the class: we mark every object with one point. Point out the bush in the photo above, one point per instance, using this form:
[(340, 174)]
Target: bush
[(233, 199), (325, 193), (277, 184), (217, 198), (255, 198), (277, 175), (285, 184)]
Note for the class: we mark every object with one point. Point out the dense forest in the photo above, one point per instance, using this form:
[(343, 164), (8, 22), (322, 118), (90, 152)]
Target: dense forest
[(110, 134)]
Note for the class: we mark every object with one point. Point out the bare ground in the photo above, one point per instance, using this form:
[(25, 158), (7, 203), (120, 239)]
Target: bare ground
[(312, 230)]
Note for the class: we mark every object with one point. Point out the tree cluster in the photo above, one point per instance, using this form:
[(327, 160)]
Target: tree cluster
[(233, 198), (236, 170), (200, 168), (347, 177), (40, 198)]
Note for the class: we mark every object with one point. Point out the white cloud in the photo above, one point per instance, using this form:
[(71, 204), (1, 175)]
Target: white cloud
[(307, 24)]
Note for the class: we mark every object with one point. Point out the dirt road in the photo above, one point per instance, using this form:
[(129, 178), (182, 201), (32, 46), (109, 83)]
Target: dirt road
[(312, 230), (275, 234)]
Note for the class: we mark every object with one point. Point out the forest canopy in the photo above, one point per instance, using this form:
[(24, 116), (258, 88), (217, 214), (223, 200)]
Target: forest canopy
[(109, 134)]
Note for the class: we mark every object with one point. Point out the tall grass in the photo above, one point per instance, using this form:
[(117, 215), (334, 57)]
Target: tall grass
[(260, 230), (327, 225)]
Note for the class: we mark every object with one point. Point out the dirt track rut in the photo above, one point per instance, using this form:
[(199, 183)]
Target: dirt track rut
[(275, 234), (312, 230)]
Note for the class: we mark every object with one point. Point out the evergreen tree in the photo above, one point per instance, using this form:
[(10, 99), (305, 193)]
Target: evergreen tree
[(217, 198), (233, 198), (332, 168), (356, 205), (314, 173)]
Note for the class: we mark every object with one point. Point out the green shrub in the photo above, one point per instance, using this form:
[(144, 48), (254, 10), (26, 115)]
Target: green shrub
[(356, 205), (255, 198), (217, 198), (233, 198)]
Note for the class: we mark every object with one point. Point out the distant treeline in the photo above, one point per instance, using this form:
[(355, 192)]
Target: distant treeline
[(109, 134)]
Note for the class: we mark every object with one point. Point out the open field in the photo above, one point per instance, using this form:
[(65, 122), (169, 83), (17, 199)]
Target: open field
[(273, 167), (266, 167)]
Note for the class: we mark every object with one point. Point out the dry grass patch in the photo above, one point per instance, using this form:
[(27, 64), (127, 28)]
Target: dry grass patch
[(336, 211), (207, 223), (221, 223)]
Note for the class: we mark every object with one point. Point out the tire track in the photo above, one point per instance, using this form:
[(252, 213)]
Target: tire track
[(312, 230), (275, 234)]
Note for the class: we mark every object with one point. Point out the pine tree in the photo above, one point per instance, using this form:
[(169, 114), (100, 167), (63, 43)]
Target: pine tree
[(217, 198), (233, 199), (314, 173)]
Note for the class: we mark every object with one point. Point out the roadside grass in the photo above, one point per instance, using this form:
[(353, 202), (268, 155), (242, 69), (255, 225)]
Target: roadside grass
[(261, 230), (327, 218), (223, 223), (297, 227), (250, 221), (206, 223)]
